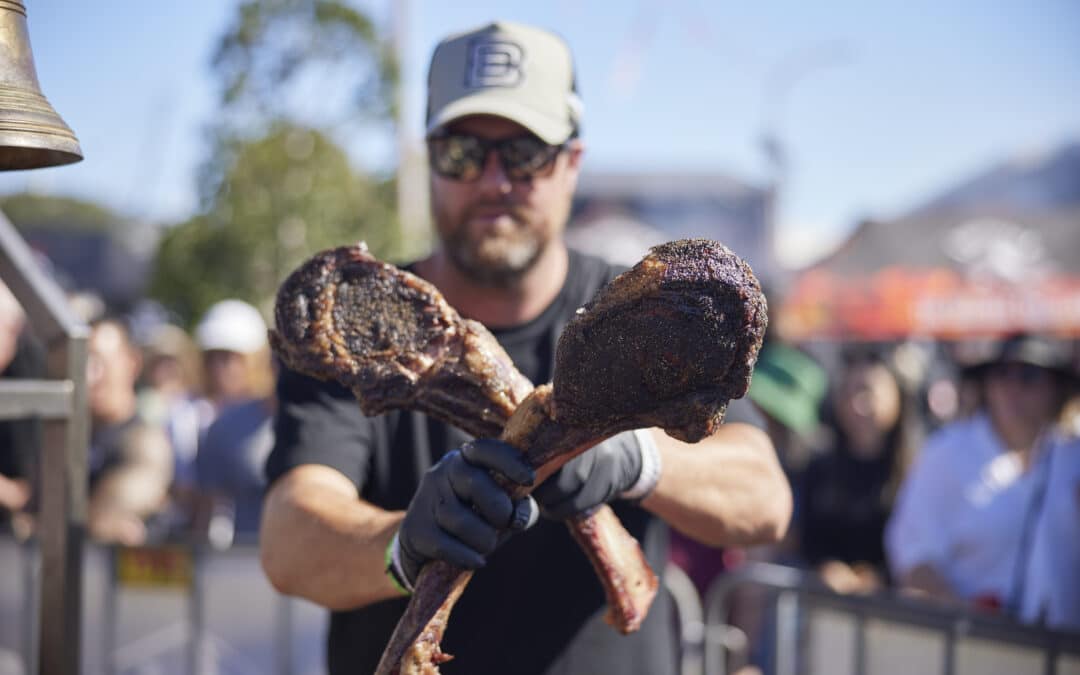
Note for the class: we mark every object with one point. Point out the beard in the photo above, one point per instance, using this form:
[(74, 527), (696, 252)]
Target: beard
[(497, 255)]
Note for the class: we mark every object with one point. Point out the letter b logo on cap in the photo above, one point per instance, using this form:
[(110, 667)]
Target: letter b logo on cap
[(494, 63)]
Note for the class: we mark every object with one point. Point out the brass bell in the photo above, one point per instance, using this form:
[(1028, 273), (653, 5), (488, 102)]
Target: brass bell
[(32, 135)]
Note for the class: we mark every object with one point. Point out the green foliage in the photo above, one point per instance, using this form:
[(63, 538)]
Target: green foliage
[(275, 187), (28, 211), (315, 61), (285, 196)]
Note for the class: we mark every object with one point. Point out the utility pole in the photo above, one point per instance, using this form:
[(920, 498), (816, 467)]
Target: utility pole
[(412, 198)]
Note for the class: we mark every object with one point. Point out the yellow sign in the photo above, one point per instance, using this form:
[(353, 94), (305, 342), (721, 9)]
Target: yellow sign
[(152, 567)]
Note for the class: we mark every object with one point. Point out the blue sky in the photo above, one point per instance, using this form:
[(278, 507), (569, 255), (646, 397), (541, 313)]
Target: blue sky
[(879, 105)]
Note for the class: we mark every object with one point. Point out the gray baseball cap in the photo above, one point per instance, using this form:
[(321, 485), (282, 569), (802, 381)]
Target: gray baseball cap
[(510, 70)]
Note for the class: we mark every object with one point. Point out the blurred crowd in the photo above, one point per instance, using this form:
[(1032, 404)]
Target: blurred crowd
[(948, 471), (180, 425)]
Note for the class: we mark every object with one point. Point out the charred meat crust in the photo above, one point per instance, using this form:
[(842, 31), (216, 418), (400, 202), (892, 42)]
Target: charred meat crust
[(680, 378), (392, 339)]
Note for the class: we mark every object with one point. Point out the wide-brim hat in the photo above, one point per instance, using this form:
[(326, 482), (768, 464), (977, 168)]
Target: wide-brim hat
[(789, 386), (1037, 350)]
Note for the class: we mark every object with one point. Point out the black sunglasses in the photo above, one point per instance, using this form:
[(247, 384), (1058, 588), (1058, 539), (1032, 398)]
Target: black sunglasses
[(461, 157)]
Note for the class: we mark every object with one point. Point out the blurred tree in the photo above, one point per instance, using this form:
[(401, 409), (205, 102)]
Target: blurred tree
[(321, 61), (294, 76), (285, 196)]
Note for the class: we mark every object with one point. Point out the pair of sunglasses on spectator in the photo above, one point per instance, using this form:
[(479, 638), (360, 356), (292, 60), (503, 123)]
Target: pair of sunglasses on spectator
[(461, 157)]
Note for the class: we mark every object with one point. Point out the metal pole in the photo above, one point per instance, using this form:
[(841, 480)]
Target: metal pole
[(63, 514), (860, 643), (197, 643), (109, 656), (411, 186), (62, 524), (31, 573), (950, 649), (787, 635), (283, 628)]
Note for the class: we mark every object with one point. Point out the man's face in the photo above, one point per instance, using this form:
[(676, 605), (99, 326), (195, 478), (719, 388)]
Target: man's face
[(1022, 398), (112, 367), (494, 229), (226, 375)]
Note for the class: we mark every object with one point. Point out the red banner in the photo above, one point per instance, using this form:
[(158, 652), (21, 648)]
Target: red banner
[(936, 303)]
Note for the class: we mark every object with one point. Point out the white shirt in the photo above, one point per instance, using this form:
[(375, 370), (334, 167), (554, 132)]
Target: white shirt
[(962, 510)]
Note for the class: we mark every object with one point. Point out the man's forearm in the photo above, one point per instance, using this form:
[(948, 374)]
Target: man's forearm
[(726, 490), (320, 542)]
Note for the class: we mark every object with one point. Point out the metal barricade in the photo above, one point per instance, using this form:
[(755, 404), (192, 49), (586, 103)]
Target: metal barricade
[(169, 610), (813, 631), (60, 401), (690, 619)]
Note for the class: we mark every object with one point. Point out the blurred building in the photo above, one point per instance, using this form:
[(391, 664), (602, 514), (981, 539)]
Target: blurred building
[(996, 254), (86, 246), (619, 215), (93, 261)]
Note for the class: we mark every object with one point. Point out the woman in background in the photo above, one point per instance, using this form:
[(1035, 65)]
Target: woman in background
[(968, 516), (848, 493)]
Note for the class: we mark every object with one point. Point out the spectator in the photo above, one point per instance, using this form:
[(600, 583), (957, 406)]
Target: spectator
[(1050, 591), (236, 356), (231, 463), (130, 461), (788, 387), (848, 493), (231, 342), (976, 498), (20, 440), (785, 393), (233, 450), (172, 374)]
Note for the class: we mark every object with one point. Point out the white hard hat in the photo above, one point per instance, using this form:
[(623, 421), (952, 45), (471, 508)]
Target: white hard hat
[(231, 325)]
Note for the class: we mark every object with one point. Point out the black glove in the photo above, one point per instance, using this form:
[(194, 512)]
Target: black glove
[(597, 476), (458, 510)]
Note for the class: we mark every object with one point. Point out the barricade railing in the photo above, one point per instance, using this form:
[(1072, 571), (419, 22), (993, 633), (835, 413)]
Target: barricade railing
[(173, 609), (193, 609), (60, 402), (811, 630), (689, 619)]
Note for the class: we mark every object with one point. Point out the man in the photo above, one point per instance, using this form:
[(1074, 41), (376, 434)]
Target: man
[(130, 461), (348, 492), (21, 357)]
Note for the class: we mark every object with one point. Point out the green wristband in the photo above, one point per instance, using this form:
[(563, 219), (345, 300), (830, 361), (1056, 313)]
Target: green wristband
[(391, 568)]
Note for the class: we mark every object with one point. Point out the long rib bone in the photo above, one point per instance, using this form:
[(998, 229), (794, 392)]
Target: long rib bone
[(666, 344), (391, 338)]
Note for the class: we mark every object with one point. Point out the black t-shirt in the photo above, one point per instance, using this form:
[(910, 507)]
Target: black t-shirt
[(843, 511), (537, 606), (20, 439)]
